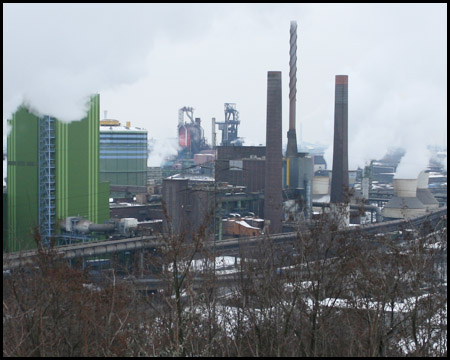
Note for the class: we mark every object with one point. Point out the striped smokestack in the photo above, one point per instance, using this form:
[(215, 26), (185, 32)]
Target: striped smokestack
[(291, 149), (339, 180), (273, 183)]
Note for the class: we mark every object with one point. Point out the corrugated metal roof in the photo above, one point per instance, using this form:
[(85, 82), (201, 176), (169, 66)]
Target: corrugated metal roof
[(120, 129)]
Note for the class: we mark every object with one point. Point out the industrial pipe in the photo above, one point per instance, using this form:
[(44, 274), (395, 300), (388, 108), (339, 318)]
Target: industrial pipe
[(84, 226), (371, 208), (102, 227)]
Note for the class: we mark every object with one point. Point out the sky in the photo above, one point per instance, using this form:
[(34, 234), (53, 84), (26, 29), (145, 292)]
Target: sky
[(148, 60)]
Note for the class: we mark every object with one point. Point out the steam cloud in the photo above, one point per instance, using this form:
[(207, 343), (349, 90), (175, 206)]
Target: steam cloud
[(56, 55), (414, 161), (160, 150)]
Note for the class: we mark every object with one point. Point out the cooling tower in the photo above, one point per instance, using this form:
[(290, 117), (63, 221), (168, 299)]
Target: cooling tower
[(424, 194), (405, 203), (274, 164), (339, 180)]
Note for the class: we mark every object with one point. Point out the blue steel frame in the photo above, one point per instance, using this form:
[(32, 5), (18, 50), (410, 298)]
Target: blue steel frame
[(47, 178)]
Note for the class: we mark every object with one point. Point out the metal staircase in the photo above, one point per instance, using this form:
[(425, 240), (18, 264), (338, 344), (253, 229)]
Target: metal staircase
[(47, 178)]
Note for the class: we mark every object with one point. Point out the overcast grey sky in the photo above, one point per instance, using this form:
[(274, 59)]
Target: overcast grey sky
[(149, 60)]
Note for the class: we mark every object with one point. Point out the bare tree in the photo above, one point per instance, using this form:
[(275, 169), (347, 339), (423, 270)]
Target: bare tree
[(327, 292)]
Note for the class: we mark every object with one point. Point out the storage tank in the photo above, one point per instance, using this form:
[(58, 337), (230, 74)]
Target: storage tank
[(321, 185), (405, 203)]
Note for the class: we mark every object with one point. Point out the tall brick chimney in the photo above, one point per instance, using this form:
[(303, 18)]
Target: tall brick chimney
[(273, 184), (339, 180)]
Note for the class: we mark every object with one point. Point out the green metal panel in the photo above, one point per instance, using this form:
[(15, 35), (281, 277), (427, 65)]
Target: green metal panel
[(103, 202), (22, 180), (5, 222), (62, 172), (78, 191), (80, 163)]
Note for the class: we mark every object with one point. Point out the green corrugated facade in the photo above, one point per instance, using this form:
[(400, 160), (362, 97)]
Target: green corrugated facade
[(78, 188)]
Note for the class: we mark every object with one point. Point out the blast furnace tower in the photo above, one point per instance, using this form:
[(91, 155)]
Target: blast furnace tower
[(229, 127)]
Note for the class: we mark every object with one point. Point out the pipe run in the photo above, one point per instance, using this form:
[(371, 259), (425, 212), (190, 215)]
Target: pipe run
[(102, 227), (371, 208)]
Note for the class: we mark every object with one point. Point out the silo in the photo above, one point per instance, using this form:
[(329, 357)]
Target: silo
[(321, 185), (175, 199), (274, 164)]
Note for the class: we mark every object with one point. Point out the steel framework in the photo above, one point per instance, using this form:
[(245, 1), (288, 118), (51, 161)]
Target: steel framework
[(229, 127), (47, 179)]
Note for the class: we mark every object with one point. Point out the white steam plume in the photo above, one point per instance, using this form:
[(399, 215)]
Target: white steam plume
[(57, 55), (415, 160), (161, 150)]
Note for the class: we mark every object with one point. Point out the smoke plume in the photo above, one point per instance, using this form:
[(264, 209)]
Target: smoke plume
[(55, 56), (160, 150)]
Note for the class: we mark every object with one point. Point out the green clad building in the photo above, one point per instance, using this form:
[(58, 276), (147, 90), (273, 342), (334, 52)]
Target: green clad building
[(53, 173)]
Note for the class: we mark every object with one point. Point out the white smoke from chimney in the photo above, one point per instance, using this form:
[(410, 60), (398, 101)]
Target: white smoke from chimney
[(415, 160), (444, 163), (55, 56), (52, 60), (161, 150)]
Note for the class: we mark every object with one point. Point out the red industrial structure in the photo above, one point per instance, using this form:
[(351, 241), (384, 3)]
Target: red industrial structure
[(191, 136)]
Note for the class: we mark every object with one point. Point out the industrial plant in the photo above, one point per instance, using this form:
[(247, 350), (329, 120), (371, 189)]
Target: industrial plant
[(222, 244), (89, 180)]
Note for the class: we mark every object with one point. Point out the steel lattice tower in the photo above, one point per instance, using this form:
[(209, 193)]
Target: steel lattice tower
[(47, 180)]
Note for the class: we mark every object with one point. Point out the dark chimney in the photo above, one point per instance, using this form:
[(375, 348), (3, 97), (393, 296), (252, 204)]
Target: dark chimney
[(273, 186), (339, 180)]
